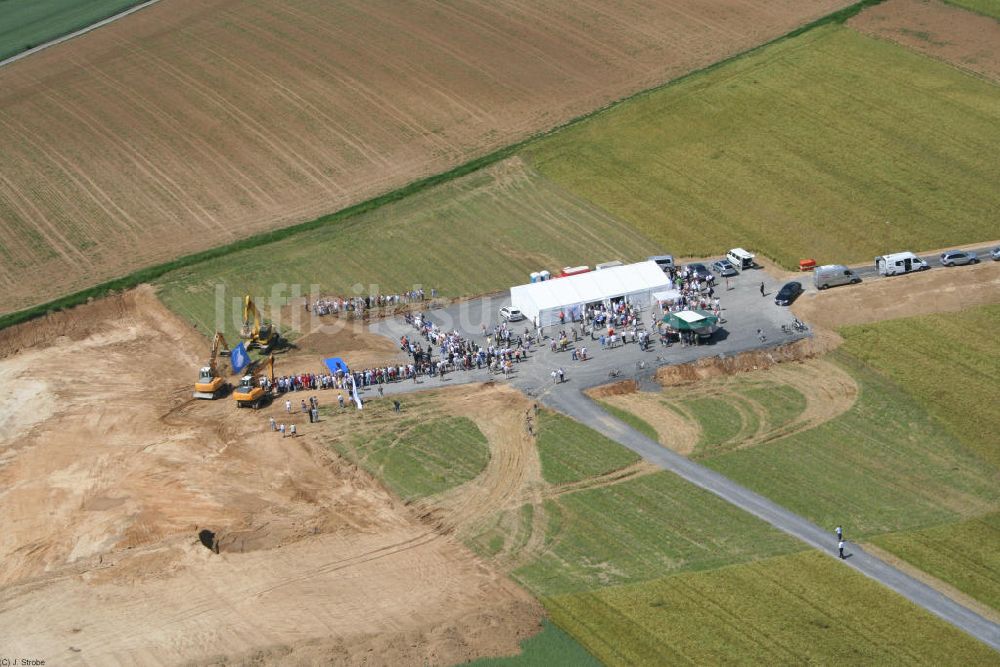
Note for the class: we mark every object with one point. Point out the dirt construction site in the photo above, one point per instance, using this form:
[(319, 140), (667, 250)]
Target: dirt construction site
[(314, 557), (207, 538)]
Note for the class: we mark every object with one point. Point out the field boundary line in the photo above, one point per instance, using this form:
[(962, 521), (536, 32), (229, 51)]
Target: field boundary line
[(77, 33), (151, 273)]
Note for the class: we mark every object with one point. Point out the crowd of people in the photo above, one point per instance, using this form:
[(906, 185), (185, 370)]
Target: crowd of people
[(336, 305)]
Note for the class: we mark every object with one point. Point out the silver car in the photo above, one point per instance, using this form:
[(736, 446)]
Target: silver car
[(511, 314), (995, 254), (958, 258)]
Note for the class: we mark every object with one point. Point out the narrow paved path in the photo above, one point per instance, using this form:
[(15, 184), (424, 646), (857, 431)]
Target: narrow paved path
[(77, 33), (581, 408)]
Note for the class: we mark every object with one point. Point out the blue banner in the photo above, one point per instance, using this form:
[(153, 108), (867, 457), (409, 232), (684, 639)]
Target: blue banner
[(239, 358), (336, 364)]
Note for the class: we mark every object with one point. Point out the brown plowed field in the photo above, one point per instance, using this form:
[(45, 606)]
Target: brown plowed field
[(197, 122), (109, 471), (964, 39)]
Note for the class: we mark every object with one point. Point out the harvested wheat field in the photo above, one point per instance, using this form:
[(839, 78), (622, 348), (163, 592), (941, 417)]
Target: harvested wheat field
[(962, 38), (176, 530), (194, 123)]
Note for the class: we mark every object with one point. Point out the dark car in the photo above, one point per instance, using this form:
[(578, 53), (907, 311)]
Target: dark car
[(788, 293), (725, 268), (701, 272)]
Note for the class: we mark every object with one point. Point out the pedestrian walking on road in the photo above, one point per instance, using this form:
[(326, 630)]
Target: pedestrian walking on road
[(303, 406), (274, 425), (555, 377), (282, 429), (380, 392), (840, 533), (840, 547), (288, 407), (292, 429), (562, 375), (762, 289)]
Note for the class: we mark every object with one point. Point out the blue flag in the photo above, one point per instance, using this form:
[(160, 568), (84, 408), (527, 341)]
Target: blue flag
[(239, 358)]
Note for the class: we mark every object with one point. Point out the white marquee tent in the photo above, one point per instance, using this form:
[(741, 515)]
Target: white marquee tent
[(543, 301)]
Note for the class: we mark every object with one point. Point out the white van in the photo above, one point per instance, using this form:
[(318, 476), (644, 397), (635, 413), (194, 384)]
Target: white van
[(608, 265), (899, 262), (741, 259), (831, 275)]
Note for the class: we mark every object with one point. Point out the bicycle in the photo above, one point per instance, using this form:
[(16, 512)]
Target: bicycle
[(799, 325), (614, 372), (640, 365)]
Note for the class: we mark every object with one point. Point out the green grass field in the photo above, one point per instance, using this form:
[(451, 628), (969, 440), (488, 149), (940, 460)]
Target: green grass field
[(790, 610), (28, 23), (549, 648), (481, 233), (643, 529), (949, 362), (418, 457), (965, 555), (569, 451), (828, 145), (985, 7), (883, 466)]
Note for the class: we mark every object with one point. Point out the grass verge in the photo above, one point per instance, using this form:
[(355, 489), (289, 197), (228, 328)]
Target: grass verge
[(965, 555), (883, 466), (950, 363), (643, 529), (570, 452), (799, 609)]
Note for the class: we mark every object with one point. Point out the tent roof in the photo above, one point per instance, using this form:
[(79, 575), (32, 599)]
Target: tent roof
[(594, 286), (690, 320)]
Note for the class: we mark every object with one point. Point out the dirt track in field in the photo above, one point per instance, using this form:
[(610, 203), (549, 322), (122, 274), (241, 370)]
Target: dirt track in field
[(197, 122), (316, 561), (962, 38)]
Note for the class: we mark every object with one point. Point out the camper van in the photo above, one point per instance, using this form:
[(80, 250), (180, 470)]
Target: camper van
[(741, 259), (832, 275), (899, 262)]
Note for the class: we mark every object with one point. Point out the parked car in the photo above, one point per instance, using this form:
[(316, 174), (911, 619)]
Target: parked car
[(741, 259), (995, 254), (511, 314), (958, 258), (788, 293), (701, 272), (665, 262), (725, 268)]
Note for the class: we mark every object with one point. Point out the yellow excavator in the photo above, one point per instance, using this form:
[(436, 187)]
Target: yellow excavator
[(257, 334), (210, 384), (250, 393)]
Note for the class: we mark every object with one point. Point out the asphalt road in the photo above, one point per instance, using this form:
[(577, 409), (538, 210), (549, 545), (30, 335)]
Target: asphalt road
[(744, 311), (868, 270), (578, 406)]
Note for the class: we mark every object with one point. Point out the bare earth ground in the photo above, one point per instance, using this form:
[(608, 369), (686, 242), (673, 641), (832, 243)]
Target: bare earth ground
[(108, 473), (963, 38), (940, 290), (197, 122)]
